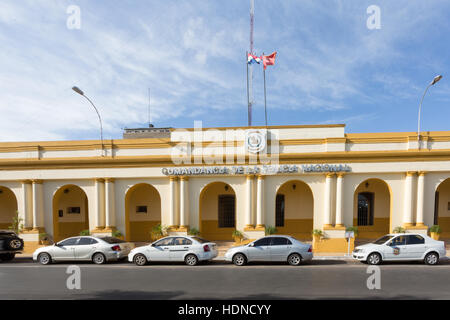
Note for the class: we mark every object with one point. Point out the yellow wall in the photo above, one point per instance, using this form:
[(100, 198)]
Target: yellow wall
[(443, 212), (70, 224), (381, 209), (209, 212), (8, 207), (139, 225), (298, 211)]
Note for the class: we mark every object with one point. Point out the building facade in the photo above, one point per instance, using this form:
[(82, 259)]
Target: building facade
[(217, 180)]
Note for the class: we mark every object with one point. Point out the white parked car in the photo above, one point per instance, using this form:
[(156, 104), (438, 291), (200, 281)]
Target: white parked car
[(271, 248), (403, 246), (84, 248), (191, 250)]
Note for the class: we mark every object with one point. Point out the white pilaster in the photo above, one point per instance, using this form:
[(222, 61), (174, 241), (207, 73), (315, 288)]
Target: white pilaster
[(260, 202), (110, 204), (327, 204), (408, 214), (38, 204), (339, 200), (248, 205), (184, 203), (99, 204), (27, 205), (420, 199)]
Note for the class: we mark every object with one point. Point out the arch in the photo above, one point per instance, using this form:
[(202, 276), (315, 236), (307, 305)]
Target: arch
[(214, 197), (70, 212), (294, 209), (441, 207), (142, 212), (372, 208), (8, 207)]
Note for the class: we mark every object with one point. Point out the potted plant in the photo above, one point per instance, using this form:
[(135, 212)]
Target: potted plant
[(435, 232), (85, 232), (159, 231), (238, 236), (353, 229), (270, 230), (117, 234), (399, 230), (193, 232), (44, 239), (317, 235)]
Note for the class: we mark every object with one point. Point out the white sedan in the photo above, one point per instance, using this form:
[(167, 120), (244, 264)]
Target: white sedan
[(401, 247), (96, 249), (191, 250), (271, 248)]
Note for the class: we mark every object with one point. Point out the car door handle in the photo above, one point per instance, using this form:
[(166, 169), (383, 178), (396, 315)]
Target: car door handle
[(185, 247)]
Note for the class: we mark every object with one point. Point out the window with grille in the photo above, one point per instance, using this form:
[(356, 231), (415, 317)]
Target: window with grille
[(227, 211), (141, 209), (365, 209), (279, 214)]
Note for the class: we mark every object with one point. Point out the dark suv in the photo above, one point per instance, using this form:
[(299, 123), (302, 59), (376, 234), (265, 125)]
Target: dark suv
[(10, 244)]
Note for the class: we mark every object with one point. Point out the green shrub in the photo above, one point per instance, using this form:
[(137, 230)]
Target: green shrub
[(353, 229), (158, 231), (271, 230), (317, 232), (193, 232), (238, 234), (399, 230), (116, 234), (85, 232), (436, 229), (17, 224)]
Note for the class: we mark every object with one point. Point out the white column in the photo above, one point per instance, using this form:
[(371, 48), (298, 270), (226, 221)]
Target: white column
[(327, 204), (248, 205), (110, 204), (420, 197), (99, 204), (260, 202), (184, 203), (38, 205), (339, 200), (172, 204), (27, 205), (408, 214)]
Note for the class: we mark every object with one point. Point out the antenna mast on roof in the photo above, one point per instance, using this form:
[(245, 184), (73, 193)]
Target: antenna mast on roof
[(149, 114)]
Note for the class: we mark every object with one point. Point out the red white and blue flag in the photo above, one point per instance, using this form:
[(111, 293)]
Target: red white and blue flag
[(253, 59)]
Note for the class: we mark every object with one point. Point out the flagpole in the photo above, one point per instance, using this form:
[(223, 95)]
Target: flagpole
[(248, 93), (265, 97)]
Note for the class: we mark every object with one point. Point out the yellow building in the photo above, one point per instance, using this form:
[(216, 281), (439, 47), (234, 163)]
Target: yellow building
[(217, 180)]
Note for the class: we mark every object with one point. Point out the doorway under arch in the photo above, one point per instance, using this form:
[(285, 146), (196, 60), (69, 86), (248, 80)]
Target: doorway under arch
[(372, 208), (294, 209), (142, 212), (70, 212), (8, 207), (217, 211)]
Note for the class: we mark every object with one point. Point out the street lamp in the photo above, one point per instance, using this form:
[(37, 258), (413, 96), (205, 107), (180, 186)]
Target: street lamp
[(435, 80), (80, 92)]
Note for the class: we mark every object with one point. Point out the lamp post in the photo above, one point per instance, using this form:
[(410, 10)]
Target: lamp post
[(80, 92), (435, 80)]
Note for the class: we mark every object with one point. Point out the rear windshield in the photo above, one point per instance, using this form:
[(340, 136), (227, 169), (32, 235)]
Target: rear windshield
[(112, 240), (382, 239), (201, 240)]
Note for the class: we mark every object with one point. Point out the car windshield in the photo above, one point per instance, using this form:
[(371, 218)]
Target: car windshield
[(382, 240), (112, 240), (201, 240)]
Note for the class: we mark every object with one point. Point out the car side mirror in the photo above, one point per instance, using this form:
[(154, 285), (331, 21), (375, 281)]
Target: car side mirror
[(251, 244)]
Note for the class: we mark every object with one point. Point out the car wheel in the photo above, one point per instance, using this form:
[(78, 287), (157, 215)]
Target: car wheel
[(7, 256), (239, 259), (15, 244), (294, 259), (191, 260), (44, 258), (99, 258), (374, 258), (140, 260), (432, 258)]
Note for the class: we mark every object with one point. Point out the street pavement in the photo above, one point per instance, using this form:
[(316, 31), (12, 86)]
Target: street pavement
[(319, 279)]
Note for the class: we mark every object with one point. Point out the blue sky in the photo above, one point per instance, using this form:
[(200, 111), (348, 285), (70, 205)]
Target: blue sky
[(330, 67)]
